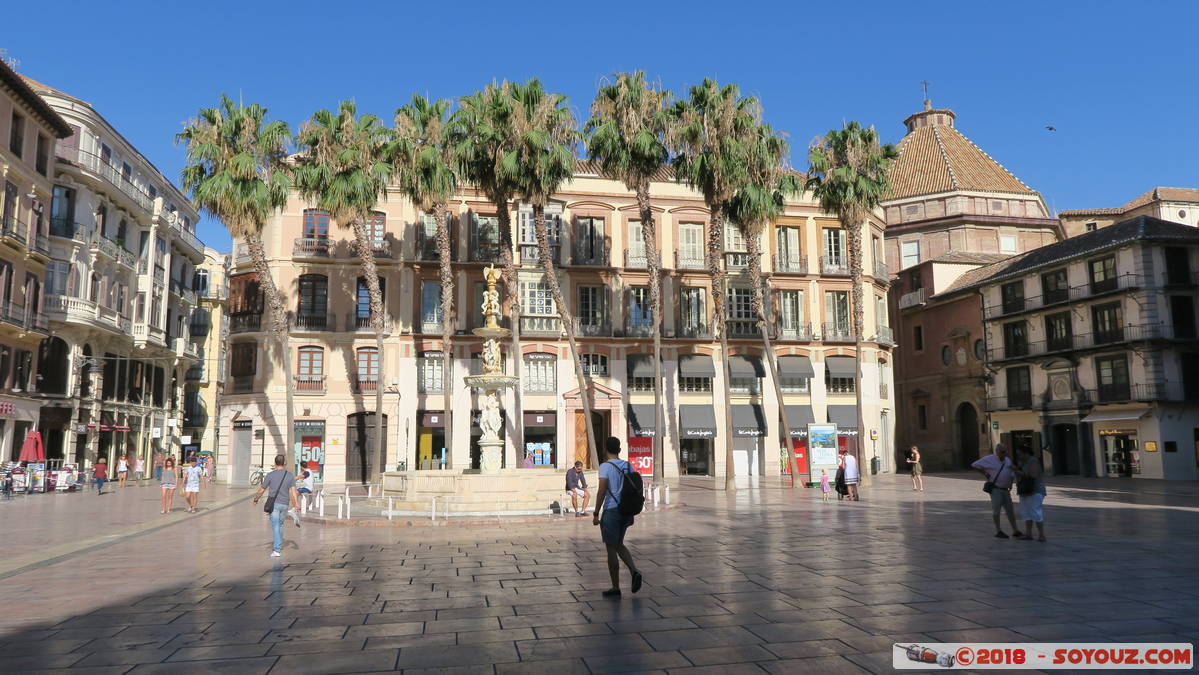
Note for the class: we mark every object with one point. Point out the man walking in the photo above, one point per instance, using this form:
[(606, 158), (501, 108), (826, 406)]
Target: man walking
[(613, 524), (191, 484), (159, 462), (276, 484), (576, 485), (1000, 473)]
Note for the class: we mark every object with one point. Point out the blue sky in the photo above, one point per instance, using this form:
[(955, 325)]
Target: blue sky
[(1115, 79)]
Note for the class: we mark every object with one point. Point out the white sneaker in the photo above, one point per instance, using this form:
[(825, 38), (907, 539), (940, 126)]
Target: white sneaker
[(276, 554), (295, 516)]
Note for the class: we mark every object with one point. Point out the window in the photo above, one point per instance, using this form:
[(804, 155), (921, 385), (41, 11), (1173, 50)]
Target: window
[(536, 299), (880, 311), (593, 312), (1107, 323), (57, 272), (839, 385), (834, 247), (790, 255), (739, 385), (1058, 332), (691, 245), (640, 312), (314, 296), (836, 313), (636, 245), (362, 301), (1015, 339), (595, 365), (316, 224), (946, 355), (426, 239), (1103, 274), (1007, 243), (918, 338), (1019, 387), (126, 172), (922, 416), (589, 241), (528, 230), (22, 368), (310, 370), (200, 281), (694, 384), (43, 154), (62, 212), (430, 373), (485, 238), (368, 364), (1013, 296), (910, 254), (540, 373), (16, 134), (430, 306), (693, 315), (793, 385), (1054, 287), (376, 228), (734, 240), (791, 311), (1112, 375), (641, 384), (245, 297), (243, 359), (1091, 227)]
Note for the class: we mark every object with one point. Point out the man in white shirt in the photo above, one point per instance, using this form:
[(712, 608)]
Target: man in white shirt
[(999, 470)]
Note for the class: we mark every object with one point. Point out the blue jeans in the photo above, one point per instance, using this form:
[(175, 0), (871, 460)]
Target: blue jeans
[(100, 484), (278, 517), (158, 473)]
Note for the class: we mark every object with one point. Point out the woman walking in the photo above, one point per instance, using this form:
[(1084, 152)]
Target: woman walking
[(170, 480), (917, 470), (122, 470), (1030, 485)]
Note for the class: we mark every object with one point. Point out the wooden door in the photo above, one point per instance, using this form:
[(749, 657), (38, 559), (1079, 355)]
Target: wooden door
[(582, 450)]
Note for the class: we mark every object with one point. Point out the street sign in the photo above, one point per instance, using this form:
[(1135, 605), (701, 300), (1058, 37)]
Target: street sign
[(994, 425)]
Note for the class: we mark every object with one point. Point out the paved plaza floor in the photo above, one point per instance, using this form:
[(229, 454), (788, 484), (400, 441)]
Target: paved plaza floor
[(764, 580)]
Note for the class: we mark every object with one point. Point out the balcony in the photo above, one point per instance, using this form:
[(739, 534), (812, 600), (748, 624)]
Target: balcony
[(241, 254), (213, 291), (529, 254), (634, 258), (486, 252), (104, 246), (14, 314), (881, 271), (793, 263), (694, 331), (736, 260), (912, 299), (69, 229), (144, 333), (689, 260), (41, 244), (360, 322), (1058, 296), (1143, 392), (1018, 401), (1013, 304), (182, 292), (640, 327), (743, 328), (310, 247), (834, 267), (310, 384), (364, 384), (885, 336), (241, 384), (592, 326), (431, 327), (248, 322), (589, 256), (110, 173), (196, 373), (540, 326), (14, 231), (793, 331), (836, 332), (381, 248), (313, 322)]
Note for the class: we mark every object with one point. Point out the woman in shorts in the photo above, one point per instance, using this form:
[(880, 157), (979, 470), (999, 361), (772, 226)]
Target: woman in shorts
[(170, 480), (122, 470), (917, 470)]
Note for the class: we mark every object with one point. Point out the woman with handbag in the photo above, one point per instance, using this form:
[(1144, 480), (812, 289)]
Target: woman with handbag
[(1030, 485)]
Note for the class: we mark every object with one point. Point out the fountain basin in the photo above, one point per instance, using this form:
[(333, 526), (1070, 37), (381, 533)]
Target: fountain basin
[(490, 333), (490, 381)]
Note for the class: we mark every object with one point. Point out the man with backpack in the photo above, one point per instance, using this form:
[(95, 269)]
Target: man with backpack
[(622, 499)]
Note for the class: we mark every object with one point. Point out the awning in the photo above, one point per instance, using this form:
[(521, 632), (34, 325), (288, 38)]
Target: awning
[(844, 416), (798, 418), (642, 419), (1116, 415), (746, 366), (696, 365), (696, 421), (796, 366), (840, 366), (641, 365), (748, 420)]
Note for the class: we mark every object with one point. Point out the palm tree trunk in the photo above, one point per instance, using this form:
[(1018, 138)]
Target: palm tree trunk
[(754, 248), (278, 313), (564, 314), (447, 326), (853, 235), (371, 273), (512, 290), (720, 326), (653, 257)]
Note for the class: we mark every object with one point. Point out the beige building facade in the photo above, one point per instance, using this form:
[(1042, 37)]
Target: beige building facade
[(1180, 205), (600, 258), (204, 383)]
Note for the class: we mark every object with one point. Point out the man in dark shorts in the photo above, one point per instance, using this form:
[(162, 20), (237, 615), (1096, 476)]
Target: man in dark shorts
[(613, 524), (576, 485)]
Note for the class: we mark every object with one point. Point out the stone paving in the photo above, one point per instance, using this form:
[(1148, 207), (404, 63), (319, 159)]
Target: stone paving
[(767, 580)]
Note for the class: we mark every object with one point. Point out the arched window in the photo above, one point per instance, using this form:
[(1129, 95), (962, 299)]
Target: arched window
[(310, 370), (316, 224), (52, 363)]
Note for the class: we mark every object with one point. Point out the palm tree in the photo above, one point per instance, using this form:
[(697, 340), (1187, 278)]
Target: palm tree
[(481, 137), (849, 177), (342, 166), (627, 136), (544, 160), (710, 131), (752, 210), (425, 172), (236, 171)]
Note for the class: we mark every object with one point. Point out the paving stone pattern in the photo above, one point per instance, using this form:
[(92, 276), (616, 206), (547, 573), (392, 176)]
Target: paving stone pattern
[(768, 580)]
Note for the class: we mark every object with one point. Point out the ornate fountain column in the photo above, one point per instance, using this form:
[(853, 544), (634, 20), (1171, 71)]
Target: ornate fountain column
[(493, 379)]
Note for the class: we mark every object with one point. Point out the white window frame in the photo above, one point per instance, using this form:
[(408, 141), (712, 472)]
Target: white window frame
[(834, 247), (910, 253), (540, 375), (536, 299), (430, 375)]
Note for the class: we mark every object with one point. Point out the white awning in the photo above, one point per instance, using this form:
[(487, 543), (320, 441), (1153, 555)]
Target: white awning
[(1116, 415)]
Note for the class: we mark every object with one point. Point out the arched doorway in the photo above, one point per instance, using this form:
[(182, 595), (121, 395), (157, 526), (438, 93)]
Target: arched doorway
[(967, 421), (360, 446), (53, 362)]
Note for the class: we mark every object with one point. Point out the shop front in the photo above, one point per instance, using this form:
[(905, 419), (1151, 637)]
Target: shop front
[(1118, 445), (310, 447), (431, 452), (846, 419), (643, 421), (697, 429), (17, 418), (798, 418), (541, 439), (749, 433)]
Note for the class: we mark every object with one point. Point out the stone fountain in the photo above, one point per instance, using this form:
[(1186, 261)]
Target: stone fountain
[(493, 380)]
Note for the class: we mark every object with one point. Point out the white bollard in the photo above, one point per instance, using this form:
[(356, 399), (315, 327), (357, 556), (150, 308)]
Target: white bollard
[(341, 514), (320, 503), (433, 508), (390, 506), (666, 495), (656, 489), (348, 505)]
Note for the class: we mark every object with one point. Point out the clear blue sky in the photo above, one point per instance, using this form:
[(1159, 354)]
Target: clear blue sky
[(1115, 78)]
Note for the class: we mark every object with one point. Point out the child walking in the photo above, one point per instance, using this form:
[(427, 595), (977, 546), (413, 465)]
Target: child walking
[(825, 488)]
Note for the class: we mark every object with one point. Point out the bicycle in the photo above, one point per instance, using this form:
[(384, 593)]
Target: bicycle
[(257, 476)]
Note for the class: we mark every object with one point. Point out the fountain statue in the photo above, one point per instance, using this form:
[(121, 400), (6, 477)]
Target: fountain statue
[(493, 379)]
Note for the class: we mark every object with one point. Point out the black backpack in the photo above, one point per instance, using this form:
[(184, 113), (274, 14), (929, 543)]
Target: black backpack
[(631, 499)]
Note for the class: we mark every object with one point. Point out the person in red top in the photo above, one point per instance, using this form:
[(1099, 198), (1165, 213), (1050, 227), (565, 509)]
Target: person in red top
[(100, 471)]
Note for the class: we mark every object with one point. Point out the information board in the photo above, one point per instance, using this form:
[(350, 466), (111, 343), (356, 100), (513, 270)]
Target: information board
[(822, 449)]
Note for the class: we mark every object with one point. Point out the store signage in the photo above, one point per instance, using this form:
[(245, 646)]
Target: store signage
[(539, 356), (242, 424), (1117, 432), (749, 431), (1150, 446), (432, 355), (874, 434), (185, 439), (698, 433), (155, 433), (81, 428), (994, 425)]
